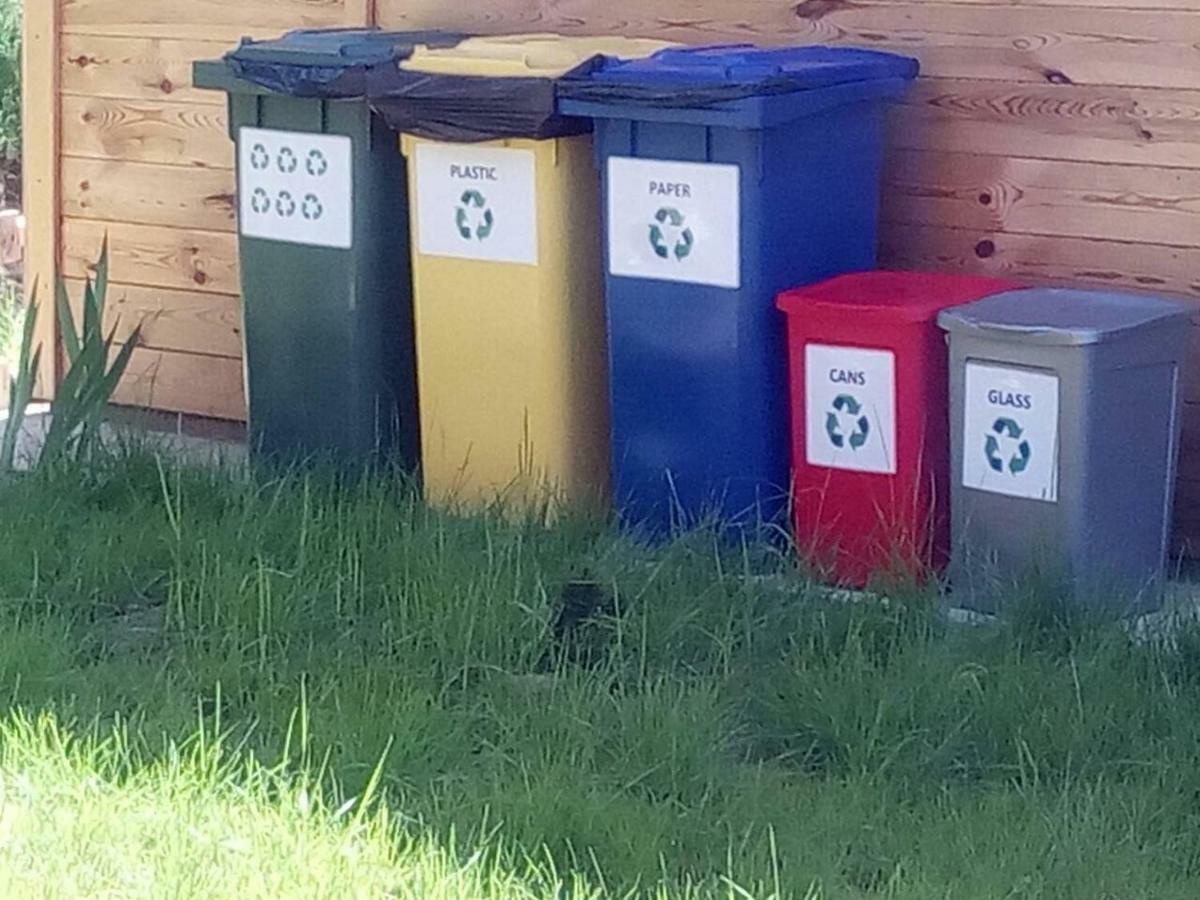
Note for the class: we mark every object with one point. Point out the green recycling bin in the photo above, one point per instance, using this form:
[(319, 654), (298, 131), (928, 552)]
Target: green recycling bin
[(323, 225)]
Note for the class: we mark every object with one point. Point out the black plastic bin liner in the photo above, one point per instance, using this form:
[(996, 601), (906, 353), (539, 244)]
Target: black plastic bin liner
[(329, 63), (472, 108)]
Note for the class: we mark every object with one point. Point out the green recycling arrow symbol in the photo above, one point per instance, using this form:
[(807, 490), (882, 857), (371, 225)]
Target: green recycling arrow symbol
[(474, 201), (847, 404), (1019, 461), (684, 244)]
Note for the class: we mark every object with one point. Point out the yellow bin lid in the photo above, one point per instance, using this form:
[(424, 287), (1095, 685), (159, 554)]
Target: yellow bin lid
[(526, 55)]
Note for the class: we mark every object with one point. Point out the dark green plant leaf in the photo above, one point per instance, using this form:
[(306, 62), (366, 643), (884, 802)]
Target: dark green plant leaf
[(90, 380), (21, 389), (66, 322), (101, 288)]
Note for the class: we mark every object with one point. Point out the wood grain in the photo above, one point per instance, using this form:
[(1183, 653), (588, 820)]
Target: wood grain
[(1025, 43), (1039, 259), (1136, 204), (125, 68), (181, 134), (1063, 45), (174, 258), (1070, 122), (1052, 141), (41, 135), (210, 386), (149, 194), (182, 321), (215, 19)]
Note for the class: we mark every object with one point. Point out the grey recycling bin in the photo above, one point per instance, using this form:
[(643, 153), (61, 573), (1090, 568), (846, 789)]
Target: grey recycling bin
[(1065, 413)]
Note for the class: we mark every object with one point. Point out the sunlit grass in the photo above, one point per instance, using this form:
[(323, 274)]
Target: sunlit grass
[(220, 687)]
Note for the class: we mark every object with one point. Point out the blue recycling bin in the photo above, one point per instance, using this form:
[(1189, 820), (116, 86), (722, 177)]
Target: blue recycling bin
[(730, 174)]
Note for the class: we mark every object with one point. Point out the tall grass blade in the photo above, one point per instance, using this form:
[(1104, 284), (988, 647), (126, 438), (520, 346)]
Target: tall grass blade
[(21, 389)]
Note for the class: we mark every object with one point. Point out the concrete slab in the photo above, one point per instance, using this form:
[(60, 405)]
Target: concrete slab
[(220, 446)]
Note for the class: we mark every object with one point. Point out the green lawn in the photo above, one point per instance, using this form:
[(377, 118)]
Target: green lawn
[(216, 688)]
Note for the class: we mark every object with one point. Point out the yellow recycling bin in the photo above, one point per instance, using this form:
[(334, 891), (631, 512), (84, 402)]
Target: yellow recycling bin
[(507, 275)]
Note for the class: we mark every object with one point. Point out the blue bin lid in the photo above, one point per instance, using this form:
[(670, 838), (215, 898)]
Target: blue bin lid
[(338, 48), (737, 86), (778, 69), (1063, 316)]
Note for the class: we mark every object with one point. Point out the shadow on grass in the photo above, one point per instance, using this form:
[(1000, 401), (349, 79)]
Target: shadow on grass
[(634, 718)]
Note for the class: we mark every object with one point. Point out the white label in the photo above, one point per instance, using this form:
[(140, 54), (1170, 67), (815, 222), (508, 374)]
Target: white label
[(850, 408), (477, 203), (674, 221), (1010, 437), (296, 187)]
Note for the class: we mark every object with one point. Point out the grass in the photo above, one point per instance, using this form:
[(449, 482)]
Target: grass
[(12, 320), (216, 687)]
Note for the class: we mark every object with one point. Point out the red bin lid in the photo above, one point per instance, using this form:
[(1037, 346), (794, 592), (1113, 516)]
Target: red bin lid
[(889, 296)]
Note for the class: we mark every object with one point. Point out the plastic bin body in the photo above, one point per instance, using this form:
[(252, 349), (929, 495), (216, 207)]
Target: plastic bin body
[(508, 291), (1081, 500), (511, 356), (784, 190), (330, 371), (873, 500)]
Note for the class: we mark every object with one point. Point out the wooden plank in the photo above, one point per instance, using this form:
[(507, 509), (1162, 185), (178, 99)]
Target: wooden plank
[(182, 134), (182, 321), (42, 132), (209, 386), (1141, 5), (149, 194), (1121, 203), (998, 40), (124, 68), (1038, 259), (1070, 122), (226, 20), (174, 258), (1063, 45)]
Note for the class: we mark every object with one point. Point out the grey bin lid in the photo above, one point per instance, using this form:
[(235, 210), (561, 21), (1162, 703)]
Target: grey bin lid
[(1062, 316)]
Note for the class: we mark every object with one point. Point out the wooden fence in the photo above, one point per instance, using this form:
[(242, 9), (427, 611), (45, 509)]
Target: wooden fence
[(1049, 140)]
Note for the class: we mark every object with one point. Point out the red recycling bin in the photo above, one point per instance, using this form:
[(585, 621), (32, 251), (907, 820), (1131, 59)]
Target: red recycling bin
[(871, 421)]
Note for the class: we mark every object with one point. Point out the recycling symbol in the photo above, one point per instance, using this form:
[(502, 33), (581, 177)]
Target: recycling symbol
[(847, 405), (259, 158), (317, 164), (1018, 458), (312, 209), (285, 204), (260, 201), (473, 205), (668, 216), (287, 161)]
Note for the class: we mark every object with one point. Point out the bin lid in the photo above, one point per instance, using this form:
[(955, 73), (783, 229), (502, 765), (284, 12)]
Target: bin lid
[(525, 55), (337, 47), (762, 68), (1062, 316), (902, 297), (767, 85), (329, 62), (491, 88)]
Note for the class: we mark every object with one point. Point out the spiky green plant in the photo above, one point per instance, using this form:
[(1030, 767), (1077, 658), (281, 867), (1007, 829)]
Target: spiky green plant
[(20, 389), (90, 380)]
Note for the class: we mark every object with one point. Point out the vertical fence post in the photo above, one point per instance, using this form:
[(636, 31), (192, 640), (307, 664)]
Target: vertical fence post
[(41, 132)]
